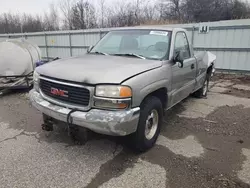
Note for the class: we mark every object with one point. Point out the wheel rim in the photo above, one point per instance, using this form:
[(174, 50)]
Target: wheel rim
[(151, 124), (205, 88)]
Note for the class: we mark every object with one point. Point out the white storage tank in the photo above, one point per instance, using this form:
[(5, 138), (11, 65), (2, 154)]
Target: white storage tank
[(18, 57)]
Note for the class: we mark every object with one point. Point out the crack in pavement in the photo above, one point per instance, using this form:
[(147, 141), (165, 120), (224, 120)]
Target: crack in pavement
[(21, 134), (29, 164)]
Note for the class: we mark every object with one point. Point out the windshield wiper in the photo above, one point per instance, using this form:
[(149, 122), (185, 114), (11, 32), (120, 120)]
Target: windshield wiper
[(102, 53), (130, 54)]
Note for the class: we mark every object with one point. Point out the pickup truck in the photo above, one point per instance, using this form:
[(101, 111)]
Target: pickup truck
[(123, 84)]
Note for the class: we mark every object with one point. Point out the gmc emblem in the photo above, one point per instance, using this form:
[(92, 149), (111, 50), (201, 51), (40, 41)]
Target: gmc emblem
[(59, 92)]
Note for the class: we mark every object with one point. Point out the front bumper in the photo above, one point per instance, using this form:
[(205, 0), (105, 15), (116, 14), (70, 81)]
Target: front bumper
[(115, 123)]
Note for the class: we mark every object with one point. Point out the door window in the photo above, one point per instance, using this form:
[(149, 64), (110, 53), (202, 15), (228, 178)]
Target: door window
[(181, 44)]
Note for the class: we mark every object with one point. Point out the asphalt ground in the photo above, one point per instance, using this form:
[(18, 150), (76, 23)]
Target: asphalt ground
[(203, 143)]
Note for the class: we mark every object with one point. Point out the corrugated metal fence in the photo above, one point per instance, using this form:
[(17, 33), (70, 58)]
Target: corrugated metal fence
[(229, 40)]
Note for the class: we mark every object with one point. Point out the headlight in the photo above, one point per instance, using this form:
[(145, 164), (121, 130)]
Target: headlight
[(115, 104), (112, 97), (35, 77), (113, 91)]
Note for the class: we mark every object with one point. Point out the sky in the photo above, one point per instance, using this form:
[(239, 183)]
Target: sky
[(29, 6), (33, 6)]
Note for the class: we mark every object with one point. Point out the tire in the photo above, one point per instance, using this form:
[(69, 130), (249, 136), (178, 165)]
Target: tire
[(202, 92), (149, 125)]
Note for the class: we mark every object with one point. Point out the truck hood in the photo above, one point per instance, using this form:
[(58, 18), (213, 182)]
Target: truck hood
[(96, 69)]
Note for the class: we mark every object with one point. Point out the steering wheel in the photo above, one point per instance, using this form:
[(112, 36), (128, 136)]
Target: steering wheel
[(150, 47)]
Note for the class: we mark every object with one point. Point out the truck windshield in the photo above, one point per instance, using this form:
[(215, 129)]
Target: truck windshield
[(145, 44)]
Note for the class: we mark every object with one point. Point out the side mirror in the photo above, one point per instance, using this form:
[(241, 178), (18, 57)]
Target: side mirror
[(89, 49), (179, 58)]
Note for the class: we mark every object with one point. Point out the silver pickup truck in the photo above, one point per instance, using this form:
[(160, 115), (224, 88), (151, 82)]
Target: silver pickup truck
[(123, 85)]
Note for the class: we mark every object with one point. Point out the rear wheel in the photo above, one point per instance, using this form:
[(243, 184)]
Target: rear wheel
[(202, 92), (148, 128)]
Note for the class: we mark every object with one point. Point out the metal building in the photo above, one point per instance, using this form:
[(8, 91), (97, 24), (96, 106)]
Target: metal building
[(229, 40)]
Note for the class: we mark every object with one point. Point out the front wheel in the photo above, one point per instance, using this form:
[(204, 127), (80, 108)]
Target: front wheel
[(148, 128)]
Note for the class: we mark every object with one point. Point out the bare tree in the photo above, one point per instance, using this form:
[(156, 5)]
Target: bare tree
[(172, 9), (83, 15), (214, 10), (10, 23), (31, 23), (66, 9), (137, 11), (239, 10), (160, 8), (51, 19), (102, 7), (149, 12)]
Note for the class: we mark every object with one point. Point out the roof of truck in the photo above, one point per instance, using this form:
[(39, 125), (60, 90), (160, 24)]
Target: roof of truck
[(149, 27)]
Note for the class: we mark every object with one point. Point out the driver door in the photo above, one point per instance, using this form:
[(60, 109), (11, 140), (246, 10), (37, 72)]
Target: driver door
[(183, 80)]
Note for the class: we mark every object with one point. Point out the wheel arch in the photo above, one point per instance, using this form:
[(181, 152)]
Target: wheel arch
[(210, 69), (161, 93)]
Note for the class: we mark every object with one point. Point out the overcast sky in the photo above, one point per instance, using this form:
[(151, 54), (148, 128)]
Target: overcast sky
[(29, 6), (34, 6)]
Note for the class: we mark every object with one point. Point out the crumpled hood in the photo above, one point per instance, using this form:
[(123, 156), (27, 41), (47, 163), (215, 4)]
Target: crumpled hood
[(96, 69)]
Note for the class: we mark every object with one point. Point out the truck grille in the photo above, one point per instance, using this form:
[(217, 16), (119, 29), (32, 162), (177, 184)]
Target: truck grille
[(70, 94)]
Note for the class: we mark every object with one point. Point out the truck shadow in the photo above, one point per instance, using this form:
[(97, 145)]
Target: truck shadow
[(214, 168)]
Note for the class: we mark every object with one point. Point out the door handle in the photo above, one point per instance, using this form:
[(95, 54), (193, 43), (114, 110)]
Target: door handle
[(192, 66)]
